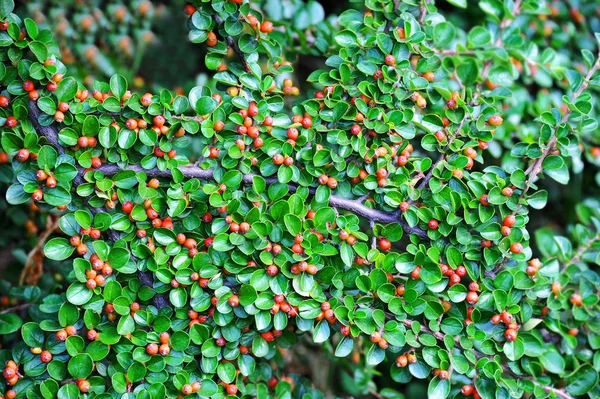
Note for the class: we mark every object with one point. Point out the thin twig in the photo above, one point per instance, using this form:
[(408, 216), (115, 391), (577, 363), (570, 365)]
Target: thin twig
[(234, 46), (535, 168), (582, 249), (37, 248), (16, 308)]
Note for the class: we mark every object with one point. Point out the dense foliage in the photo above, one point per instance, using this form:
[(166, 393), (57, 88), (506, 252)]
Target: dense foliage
[(389, 208)]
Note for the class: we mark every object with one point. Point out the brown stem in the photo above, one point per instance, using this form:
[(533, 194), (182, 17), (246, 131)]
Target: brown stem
[(36, 249), (352, 205), (16, 308), (582, 249), (234, 46), (537, 166)]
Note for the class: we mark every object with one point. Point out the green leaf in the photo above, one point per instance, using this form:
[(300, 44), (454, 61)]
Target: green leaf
[(66, 89), (555, 167), (32, 335), (78, 294), (118, 85), (6, 7), (438, 388), (443, 34), (58, 249), (80, 366), (205, 105), (9, 323), (458, 3), (582, 380), (553, 361), (322, 331), (47, 157)]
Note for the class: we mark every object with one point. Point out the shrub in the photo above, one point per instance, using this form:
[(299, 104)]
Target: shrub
[(385, 214)]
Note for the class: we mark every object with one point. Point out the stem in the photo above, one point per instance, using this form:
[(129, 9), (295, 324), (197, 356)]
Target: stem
[(36, 249), (16, 308), (536, 167), (234, 46), (582, 248), (353, 205)]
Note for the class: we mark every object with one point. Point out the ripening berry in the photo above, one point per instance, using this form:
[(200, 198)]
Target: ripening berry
[(484, 200), (495, 120), (189, 9), (28, 85), (510, 221), (164, 350), (233, 301), (146, 99), (510, 335), (385, 244), (11, 121), (46, 357), (390, 60), (266, 27), (211, 39), (61, 335), (467, 390), (472, 297), (375, 337), (402, 361), (272, 270), (22, 155), (507, 191), (516, 248), (576, 299), (92, 335), (152, 349), (404, 206), (416, 273), (506, 317)]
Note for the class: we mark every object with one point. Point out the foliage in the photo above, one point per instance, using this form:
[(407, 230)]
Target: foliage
[(384, 213)]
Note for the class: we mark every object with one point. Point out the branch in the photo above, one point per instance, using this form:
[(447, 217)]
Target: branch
[(37, 248), (581, 251), (16, 308), (234, 46), (51, 134), (352, 205), (536, 167)]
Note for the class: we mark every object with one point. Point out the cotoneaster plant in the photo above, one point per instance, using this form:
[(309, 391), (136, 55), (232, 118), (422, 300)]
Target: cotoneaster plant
[(207, 234)]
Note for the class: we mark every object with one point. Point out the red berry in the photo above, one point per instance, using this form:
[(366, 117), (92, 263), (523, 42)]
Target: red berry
[(385, 244)]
